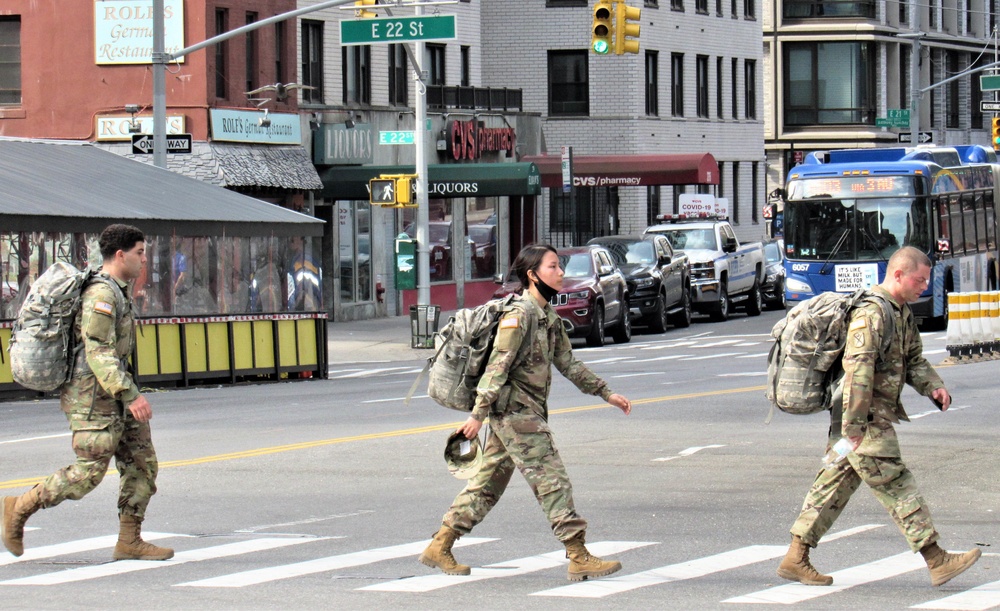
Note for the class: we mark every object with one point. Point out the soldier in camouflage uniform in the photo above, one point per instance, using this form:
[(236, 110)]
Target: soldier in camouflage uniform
[(108, 417), (871, 407), (514, 393)]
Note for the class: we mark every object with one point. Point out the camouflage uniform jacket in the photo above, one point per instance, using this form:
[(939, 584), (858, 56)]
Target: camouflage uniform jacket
[(100, 374), (871, 394), (517, 379)]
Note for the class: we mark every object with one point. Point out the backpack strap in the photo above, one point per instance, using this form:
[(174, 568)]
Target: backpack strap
[(888, 325), (121, 304)]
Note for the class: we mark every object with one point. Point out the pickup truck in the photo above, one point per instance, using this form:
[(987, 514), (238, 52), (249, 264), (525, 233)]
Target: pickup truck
[(724, 273)]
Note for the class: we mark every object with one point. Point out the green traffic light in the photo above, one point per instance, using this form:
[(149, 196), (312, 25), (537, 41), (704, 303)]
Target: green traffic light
[(601, 47)]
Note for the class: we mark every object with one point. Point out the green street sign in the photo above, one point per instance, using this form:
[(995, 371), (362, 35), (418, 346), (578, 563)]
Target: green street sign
[(989, 82), (397, 29), (400, 137), (896, 117)]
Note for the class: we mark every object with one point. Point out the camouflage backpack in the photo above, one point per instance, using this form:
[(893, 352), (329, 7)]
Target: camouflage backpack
[(463, 349), (804, 370), (42, 342)]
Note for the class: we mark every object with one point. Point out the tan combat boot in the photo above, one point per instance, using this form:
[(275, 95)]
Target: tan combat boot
[(130, 545), (796, 566), (944, 565), (14, 512), (438, 553), (583, 565)]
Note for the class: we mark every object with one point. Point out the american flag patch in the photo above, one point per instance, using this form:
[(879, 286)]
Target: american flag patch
[(103, 307), (508, 323)]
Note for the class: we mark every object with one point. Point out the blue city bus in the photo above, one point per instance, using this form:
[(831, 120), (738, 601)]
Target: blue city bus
[(847, 211)]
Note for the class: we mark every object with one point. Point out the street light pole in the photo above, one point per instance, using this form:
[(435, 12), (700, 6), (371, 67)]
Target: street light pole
[(423, 184)]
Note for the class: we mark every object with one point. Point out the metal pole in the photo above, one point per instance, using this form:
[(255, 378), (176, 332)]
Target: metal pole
[(423, 211), (159, 89)]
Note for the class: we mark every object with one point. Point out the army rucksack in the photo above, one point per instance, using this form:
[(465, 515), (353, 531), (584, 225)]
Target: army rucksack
[(804, 366), (43, 345), (463, 348)]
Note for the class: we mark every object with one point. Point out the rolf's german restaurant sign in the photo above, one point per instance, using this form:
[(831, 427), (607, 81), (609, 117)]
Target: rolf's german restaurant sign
[(123, 30)]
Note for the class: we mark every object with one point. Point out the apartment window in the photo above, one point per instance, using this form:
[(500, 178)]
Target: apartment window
[(932, 16), (735, 206), (466, 66), (812, 68), (677, 5), (904, 13), (904, 75), (755, 188), (749, 9), (435, 64), (817, 9), (652, 204), (993, 15), (732, 88), (652, 84), (251, 47), (280, 54), (398, 94), (733, 5), (750, 88), (952, 109), (357, 62), (312, 60), (221, 54), (568, 84), (932, 98), (718, 87), (677, 84), (701, 75), (976, 116), (10, 61), (701, 7), (718, 8)]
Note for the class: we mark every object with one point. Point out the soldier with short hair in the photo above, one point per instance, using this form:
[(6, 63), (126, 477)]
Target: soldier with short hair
[(108, 416), (514, 393), (871, 407)]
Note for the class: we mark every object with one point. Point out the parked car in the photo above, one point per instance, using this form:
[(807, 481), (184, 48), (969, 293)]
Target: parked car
[(658, 278), (594, 296), (484, 253), (773, 288), (439, 233)]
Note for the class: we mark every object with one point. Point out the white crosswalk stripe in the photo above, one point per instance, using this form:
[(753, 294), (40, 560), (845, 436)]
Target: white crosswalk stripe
[(321, 565), (980, 598), (75, 547), (130, 566), (510, 568)]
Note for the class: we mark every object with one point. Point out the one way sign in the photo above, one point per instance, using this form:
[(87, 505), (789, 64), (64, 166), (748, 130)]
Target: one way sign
[(922, 137), (142, 144)]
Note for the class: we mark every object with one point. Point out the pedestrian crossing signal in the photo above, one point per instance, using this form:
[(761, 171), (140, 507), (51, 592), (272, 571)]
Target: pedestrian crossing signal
[(361, 12), (395, 190), (383, 191)]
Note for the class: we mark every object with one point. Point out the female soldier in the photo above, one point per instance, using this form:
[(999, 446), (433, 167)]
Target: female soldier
[(514, 393)]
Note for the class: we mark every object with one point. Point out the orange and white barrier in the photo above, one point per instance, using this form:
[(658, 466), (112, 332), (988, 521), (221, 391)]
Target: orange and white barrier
[(974, 325)]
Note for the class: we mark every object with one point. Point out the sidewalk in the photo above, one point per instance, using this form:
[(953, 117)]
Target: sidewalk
[(377, 340)]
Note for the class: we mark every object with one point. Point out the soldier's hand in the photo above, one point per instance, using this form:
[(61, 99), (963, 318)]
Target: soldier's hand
[(621, 402), (141, 409), (471, 428), (941, 398)]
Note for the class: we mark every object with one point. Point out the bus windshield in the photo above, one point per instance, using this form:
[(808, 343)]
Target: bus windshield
[(868, 229)]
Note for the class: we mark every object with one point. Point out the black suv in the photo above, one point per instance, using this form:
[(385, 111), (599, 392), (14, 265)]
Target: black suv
[(658, 277)]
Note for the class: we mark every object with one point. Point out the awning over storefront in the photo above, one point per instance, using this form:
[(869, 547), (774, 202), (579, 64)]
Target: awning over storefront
[(80, 188), (446, 180), (630, 170)]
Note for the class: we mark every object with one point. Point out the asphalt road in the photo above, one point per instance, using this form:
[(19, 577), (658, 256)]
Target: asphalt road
[(321, 494)]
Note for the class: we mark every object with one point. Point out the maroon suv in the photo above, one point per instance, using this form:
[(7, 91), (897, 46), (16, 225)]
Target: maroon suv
[(594, 295)]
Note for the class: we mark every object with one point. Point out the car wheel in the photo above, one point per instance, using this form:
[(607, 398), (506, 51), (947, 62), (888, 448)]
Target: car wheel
[(659, 319), (779, 301), (595, 338), (623, 330), (721, 312), (754, 300), (682, 319)]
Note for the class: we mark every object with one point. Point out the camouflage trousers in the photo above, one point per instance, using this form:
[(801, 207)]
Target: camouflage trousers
[(891, 482), (525, 442), (96, 439)]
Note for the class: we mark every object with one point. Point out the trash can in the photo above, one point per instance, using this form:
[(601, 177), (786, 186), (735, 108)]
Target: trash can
[(423, 325)]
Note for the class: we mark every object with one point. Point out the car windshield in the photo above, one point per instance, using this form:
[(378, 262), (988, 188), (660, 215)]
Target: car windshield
[(771, 252), (481, 234), (690, 239), (575, 266), (624, 253)]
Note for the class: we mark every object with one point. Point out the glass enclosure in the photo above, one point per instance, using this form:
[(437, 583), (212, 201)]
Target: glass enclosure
[(183, 275)]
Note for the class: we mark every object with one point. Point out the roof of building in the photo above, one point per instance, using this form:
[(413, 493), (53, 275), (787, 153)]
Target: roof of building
[(78, 187)]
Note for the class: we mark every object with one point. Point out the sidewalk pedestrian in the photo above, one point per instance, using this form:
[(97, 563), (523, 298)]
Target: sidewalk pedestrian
[(108, 417), (871, 407), (514, 393)]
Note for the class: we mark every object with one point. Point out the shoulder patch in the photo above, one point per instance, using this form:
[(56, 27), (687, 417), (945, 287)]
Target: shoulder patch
[(103, 307), (510, 322), (859, 323)]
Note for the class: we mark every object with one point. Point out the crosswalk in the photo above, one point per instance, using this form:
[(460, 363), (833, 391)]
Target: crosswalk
[(253, 551)]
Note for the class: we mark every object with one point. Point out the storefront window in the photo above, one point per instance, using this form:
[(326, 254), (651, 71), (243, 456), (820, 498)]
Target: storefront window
[(481, 237), (355, 251)]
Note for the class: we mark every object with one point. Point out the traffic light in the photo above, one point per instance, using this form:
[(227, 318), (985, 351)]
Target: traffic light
[(600, 40), (626, 33), (996, 133), (361, 12), (404, 192)]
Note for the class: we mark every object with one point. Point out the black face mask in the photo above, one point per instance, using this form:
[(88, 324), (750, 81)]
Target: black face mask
[(545, 290)]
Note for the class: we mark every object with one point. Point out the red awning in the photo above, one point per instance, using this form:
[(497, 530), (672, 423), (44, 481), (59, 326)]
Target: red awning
[(630, 170)]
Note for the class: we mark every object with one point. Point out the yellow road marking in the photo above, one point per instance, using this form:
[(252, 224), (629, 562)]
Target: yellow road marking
[(305, 445)]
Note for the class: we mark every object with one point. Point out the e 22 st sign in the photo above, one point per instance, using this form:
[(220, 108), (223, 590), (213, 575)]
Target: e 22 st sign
[(397, 29)]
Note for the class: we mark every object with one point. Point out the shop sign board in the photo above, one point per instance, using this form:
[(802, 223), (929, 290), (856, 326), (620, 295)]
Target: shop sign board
[(244, 126), (123, 31), (109, 128)]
